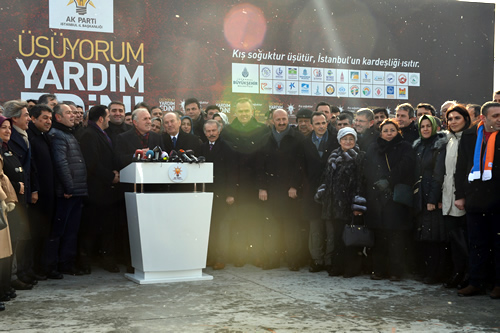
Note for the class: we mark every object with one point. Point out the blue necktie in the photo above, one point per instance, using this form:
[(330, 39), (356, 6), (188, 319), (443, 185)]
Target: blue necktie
[(174, 141)]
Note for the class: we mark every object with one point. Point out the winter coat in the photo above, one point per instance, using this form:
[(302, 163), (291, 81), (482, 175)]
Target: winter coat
[(449, 207), (383, 212), (71, 173), (431, 152), (314, 166), (99, 160), (280, 167), (480, 196), (246, 142), (7, 194), (343, 183), (430, 168)]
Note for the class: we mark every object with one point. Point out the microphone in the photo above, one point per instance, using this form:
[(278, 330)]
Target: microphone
[(149, 155), (201, 159), (156, 153), (139, 154), (184, 156), (174, 157), (164, 156), (190, 153)]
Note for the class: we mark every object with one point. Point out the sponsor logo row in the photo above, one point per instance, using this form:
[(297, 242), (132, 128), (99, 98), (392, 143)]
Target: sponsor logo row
[(277, 87), (263, 79), (333, 75)]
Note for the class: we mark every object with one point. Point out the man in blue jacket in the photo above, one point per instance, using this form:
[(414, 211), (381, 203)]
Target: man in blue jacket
[(71, 188)]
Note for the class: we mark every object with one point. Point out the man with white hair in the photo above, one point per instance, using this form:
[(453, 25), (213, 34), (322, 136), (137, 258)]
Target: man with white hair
[(139, 137)]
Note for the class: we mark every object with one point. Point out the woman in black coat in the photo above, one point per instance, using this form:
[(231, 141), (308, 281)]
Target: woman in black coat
[(430, 228), (340, 196), (389, 161)]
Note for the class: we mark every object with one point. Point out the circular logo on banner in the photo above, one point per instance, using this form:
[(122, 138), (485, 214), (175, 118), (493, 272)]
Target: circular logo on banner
[(177, 173), (330, 89)]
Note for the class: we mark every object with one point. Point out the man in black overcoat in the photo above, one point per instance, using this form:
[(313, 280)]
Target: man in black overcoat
[(224, 188), (317, 147), (97, 232)]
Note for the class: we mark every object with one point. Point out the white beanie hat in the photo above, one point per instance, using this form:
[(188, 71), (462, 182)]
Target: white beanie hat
[(345, 131)]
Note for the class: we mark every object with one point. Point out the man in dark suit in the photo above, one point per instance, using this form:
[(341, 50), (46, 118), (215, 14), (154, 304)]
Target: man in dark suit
[(117, 123), (41, 211), (97, 150), (224, 186), (175, 139), (245, 137), (317, 148), (279, 178), (139, 137)]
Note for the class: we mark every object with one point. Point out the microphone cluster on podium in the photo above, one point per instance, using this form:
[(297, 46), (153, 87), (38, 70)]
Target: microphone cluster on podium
[(157, 155)]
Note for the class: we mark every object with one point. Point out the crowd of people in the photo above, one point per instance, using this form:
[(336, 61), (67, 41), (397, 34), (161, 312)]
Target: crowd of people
[(424, 183)]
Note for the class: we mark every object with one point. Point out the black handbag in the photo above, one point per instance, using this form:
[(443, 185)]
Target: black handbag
[(357, 235), (403, 194)]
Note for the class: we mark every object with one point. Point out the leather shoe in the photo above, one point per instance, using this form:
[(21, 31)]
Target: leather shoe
[(5, 298), (20, 285), (2, 306), (55, 275), (469, 291), (218, 265), (376, 277), (495, 293), (28, 280), (314, 268)]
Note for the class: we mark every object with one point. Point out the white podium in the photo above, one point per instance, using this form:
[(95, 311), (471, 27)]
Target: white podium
[(168, 231)]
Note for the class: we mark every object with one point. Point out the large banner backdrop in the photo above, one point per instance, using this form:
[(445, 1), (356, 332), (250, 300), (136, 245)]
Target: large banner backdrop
[(282, 54)]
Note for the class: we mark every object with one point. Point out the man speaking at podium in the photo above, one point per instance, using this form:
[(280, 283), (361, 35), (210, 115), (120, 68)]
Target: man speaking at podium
[(139, 137)]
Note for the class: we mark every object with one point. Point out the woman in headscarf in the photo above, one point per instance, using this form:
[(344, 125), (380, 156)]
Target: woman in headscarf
[(340, 194), (431, 235), (458, 120), (388, 162), (187, 125)]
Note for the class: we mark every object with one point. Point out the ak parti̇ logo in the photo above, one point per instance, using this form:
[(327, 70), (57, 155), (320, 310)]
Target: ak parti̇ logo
[(81, 5)]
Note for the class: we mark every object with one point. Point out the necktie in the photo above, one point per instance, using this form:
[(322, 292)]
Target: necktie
[(211, 146), (174, 141)]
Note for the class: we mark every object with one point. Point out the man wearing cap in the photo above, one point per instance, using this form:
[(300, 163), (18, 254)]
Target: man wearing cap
[(316, 149), (304, 125)]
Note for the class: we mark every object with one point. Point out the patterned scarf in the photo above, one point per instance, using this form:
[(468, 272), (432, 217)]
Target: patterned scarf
[(488, 155)]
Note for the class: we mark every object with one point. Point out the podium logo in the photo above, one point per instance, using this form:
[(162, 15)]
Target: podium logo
[(177, 173)]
